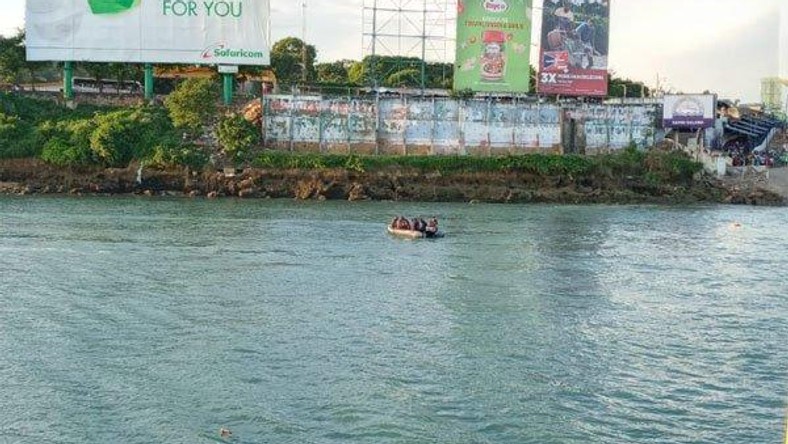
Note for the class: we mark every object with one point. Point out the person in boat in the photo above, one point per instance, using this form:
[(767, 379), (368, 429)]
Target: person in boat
[(422, 225), (432, 227), (404, 224), (395, 223), (415, 225)]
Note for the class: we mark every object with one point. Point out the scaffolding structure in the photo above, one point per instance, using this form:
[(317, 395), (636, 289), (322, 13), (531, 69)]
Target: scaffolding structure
[(772, 94), (415, 31)]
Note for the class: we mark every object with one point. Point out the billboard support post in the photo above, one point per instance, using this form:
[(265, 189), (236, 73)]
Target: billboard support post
[(148, 82), (228, 88), (68, 78)]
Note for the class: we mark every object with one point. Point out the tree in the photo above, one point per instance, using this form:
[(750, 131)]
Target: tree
[(237, 136), (122, 72), (334, 72), (192, 105), (399, 71), (12, 57), (409, 77), (98, 71), (618, 87), (287, 61)]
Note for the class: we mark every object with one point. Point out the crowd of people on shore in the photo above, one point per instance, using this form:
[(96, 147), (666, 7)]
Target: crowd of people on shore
[(741, 157), (416, 224)]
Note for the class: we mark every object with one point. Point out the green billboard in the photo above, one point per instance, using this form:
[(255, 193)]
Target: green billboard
[(493, 45)]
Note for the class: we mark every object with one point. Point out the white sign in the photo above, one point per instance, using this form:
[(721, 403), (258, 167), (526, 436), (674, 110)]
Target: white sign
[(228, 69), (233, 32)]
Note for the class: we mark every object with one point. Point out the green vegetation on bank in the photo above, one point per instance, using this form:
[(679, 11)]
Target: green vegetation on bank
[(654, 166), (175, 135), (112, 136)]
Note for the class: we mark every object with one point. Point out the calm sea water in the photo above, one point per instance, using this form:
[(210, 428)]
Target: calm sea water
[(161, 321)]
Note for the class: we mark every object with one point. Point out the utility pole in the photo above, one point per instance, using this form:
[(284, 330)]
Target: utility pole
[(304, 46)]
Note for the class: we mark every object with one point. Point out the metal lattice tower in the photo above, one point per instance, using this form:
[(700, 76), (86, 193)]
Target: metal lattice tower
[(772, 94), (418, 29)]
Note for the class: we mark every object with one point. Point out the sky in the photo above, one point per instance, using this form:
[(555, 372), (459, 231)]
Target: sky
[(690, 46)]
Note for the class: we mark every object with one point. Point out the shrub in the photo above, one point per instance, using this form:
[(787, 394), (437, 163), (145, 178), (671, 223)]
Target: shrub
[(237, 136), (126, 135), (68, 143), (171, 153), (17, 138), (192, 105)]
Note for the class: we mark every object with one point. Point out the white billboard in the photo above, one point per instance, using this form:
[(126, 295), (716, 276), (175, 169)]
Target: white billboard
[(232, 32)]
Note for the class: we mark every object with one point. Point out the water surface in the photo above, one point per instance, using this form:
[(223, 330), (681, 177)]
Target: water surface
[(138, 321)]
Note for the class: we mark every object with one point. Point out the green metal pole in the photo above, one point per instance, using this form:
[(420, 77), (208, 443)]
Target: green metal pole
[(148, 82), (68, 77), (228, 89)]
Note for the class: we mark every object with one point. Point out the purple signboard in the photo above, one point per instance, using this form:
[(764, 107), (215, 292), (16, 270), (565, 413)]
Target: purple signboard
[(689, 111)]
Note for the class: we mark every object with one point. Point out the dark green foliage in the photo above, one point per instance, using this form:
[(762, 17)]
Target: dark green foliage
[(25, 130), (68, 142), (17, 138), (536, 163), (237, 136), (192, 105), (124, 135), (12, 57), (630, 164), (403, 78), (333, 73), (287, 61), (171, 154), (400, 72)]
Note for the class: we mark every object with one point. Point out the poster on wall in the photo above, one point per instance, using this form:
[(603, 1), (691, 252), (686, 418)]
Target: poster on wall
[(233, 32), (573, 59), (493, 45), (689, 111)]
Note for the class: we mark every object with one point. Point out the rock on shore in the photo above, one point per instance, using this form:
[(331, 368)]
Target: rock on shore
[(30, 176)]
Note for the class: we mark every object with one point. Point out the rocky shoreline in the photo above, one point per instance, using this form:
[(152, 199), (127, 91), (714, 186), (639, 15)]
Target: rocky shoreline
[(30, 176)]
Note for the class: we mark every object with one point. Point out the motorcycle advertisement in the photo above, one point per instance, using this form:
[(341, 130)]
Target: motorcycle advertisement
[(493, 45), (574, 50)]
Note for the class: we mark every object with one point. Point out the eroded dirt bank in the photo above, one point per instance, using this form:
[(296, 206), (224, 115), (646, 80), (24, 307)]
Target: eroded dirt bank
[(29, 176)]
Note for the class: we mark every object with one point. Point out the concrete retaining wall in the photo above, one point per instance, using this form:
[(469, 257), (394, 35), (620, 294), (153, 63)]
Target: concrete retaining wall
[(447, 126)]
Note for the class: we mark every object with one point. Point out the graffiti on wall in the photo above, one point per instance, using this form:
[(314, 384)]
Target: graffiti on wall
[(448, 126)]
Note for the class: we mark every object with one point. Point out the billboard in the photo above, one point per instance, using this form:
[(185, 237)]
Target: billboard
[(493, 45), (574, 47), (690, 111), (233, 32)]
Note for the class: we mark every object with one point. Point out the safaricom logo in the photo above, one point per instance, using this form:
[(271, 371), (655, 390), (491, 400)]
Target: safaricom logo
[(495, 5), (219, 51)]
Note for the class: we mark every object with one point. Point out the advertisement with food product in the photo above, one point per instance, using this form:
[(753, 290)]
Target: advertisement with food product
[(689, 111), (573, 59), (232, 32), (493, 45)]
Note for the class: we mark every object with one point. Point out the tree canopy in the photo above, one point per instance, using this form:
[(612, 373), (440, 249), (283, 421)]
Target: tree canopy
[(287, 61)]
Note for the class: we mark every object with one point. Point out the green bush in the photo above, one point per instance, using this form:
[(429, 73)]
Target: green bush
[(237, 136), (536, 163), (130, 134), (171, 153), (192, 105), (17, 138), (68, 142)]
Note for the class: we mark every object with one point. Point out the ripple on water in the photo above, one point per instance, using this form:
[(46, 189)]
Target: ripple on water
[(163, 321)]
